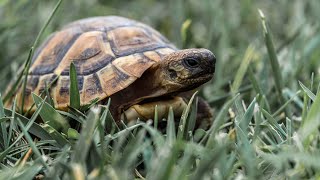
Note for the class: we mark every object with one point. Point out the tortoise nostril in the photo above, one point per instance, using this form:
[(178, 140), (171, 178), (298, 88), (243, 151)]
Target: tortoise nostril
[(172, 73)]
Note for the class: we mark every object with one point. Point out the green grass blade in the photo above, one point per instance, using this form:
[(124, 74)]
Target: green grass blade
[(246, 153), (17, 173), (31, 143), (132, 150), (58, 137), (83, 145), (185, 28), (156, 117), (307, 91), (3, 125), (208, 160), (218, 122), (182, 129), (239, 109), (73, 134), (101, 130), (3, 119), (157, 137), (74, 89), (279, 110), (249, 54), (184, 167), (51, 116), (71, 116), (35, 128), (29, 172), (311, 123), (47, 94), (11, 126), (162, 165), (1, 108), (254, 81), (123, 132), (86, 107), (13, 89), (305, 106), (307, 159), (273, 59), (30, 56), (257, 87), (76, 112), (245, 120), (46, 90), (44, 27), (105, 115), (289, 130), (171, 131), (25, 73), (192, 118), (273, 122)]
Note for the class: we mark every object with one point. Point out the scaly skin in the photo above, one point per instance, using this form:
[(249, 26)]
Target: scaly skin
[(167, 78)]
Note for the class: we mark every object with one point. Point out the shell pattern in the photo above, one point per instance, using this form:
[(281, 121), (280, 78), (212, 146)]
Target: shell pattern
[(109, 54)]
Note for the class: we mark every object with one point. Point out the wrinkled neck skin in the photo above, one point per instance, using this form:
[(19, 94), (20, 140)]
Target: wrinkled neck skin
[(149, 85)]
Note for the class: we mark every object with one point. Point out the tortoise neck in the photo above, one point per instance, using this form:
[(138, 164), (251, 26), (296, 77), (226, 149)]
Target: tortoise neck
[(147, 86)]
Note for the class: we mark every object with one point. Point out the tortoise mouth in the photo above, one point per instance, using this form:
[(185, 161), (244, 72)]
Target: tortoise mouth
[(198, 81), (201, 77)]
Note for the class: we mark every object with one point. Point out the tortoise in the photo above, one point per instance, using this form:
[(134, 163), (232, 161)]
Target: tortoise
[(121, 59)]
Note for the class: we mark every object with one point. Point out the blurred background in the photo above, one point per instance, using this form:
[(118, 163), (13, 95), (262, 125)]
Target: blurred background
[(226, 27)]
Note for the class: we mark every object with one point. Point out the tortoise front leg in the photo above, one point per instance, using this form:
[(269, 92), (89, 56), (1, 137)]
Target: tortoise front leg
[(146, 111)]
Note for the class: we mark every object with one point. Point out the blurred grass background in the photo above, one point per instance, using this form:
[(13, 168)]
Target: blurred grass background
[(223, 26), (260, 139)]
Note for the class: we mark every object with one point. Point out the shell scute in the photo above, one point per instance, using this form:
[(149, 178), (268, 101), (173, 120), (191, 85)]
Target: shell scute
[(133, 65), (113, 80), (52, 54), (92, 88), (129, 40), (88, 54)]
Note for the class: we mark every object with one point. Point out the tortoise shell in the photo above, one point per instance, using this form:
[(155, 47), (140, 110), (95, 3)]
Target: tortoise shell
[(109, 54)]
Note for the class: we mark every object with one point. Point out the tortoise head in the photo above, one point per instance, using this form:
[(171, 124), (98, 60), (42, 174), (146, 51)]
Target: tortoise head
[(187, 69)]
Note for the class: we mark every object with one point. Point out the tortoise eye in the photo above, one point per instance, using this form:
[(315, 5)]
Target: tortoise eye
[(191, 62)]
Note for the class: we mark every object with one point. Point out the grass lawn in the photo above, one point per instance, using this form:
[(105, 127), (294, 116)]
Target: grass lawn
[(264, 96)]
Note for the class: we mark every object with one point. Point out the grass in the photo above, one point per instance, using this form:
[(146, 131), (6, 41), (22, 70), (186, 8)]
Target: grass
[(264, 96)]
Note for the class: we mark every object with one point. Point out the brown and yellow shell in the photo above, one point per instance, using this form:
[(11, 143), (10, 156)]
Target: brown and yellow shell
[(109, 54)]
